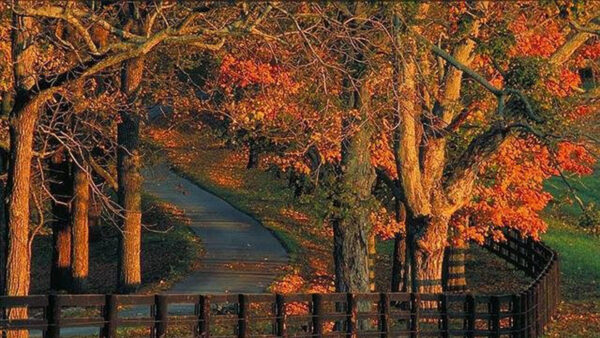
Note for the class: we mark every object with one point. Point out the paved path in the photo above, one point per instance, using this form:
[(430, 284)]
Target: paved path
[(241, 256)]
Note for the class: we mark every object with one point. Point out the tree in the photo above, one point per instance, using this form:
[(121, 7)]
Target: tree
[(80, 230), (130, 181), (34, 86), (439, 162)]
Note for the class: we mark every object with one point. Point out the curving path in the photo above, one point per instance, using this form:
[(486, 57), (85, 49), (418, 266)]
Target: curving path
[(241, 256)]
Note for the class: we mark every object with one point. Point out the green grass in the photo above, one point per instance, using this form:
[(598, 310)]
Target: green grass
[(579, 252), (579, 255), (587, 188)]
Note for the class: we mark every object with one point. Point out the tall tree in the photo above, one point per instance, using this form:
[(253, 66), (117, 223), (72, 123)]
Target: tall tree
[(79, 227), (130, 180), (34, 85)]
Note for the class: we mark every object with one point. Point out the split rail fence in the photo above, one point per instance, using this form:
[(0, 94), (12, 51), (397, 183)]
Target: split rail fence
[(524, 314)]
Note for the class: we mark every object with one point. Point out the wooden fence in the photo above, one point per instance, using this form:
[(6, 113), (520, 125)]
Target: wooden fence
[(310, 315)]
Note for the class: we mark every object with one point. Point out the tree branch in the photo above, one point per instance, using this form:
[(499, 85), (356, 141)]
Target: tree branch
[(103, 173)]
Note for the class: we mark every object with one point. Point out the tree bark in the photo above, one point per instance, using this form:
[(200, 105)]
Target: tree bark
[(22, 120), (3, 228), (61, 190), (80, 230), (351, 227), (17, 240), (428, 242), (130, 182)]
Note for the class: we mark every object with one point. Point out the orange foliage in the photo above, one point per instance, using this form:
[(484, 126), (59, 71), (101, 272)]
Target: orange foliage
[(536, 35), (510, 191), (385, 225)]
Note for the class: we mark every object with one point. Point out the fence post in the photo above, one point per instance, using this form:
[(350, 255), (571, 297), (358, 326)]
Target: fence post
[(243, 316), (160, 315), (531, 312), (204, 317), (517, 318), (415, 304), (111, 316), (531, 255), (280, 313), (53, 316), (384, 314), (352, 313), (444, 315), (317, 311), (544, 300), (494, 324), (536, 312), (470, 312)]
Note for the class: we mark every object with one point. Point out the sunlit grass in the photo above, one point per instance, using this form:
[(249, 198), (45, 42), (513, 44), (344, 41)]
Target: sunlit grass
[(587, 188), (579, 255), (579, 252)]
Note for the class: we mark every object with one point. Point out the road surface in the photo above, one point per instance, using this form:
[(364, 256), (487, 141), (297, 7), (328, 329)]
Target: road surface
[(241, 256)]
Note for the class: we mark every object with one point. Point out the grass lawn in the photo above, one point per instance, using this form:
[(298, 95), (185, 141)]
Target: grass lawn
[(169, 251), (579, 252)]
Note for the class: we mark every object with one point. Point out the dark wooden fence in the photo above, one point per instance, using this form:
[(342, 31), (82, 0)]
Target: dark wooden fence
[(311, 315)]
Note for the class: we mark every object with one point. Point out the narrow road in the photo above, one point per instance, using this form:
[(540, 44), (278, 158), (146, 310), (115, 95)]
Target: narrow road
[(241, 256)]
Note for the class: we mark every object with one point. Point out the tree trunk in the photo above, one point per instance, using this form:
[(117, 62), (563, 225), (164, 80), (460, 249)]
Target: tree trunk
[(18, 261), (79, 226), (3, 228), (22, 120), (428, 241), (61, 190), (253, 155), (130, 182), (351, 227)]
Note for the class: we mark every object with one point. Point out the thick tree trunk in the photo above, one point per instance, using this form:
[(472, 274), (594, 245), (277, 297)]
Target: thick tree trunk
[(429, 241), (130, 182), (19, 173), (80, 230), (22, 119), (61, 190), (3, 228), (351, 227)]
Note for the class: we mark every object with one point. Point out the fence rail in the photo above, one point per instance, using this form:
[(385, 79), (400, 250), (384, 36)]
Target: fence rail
[(311, 315)]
